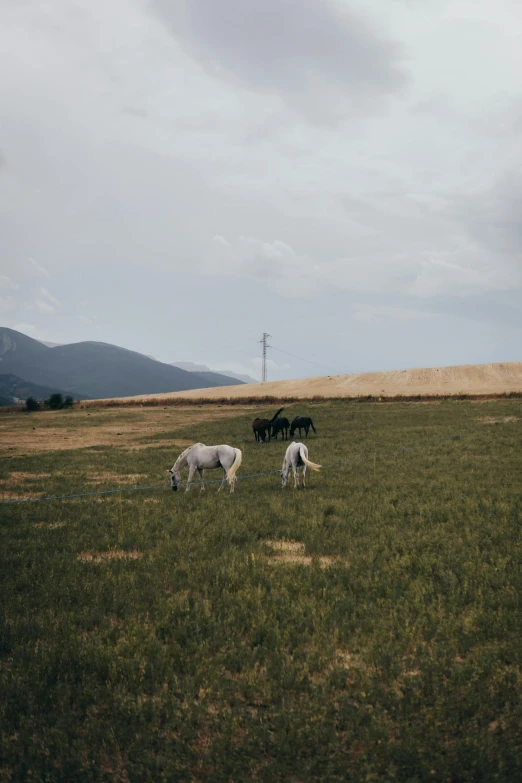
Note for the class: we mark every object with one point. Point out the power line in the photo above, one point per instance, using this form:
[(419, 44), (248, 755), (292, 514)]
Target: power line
[(324, 367)]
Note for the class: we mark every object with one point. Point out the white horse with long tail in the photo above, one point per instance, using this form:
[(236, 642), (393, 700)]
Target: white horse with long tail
[(199, 456), (296, 457)]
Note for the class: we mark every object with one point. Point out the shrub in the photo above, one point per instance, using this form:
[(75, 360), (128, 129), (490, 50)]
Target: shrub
[(55, 401), (32, 404), (68, 402)]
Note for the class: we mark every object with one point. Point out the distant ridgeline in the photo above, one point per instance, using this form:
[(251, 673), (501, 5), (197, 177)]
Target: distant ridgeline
[(88, 370)]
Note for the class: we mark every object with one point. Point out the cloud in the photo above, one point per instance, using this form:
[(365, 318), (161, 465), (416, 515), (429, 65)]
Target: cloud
[(44, 307), (321, 57), (39, 268), (275, 263), (465, 271), (49, 296), (6, 282), (367, 313), (7, 304), (333, 163), (45, 302)]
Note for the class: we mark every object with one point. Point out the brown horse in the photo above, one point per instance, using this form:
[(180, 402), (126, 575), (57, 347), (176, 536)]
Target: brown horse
[(299, 422), (281, 424), (262, 426)]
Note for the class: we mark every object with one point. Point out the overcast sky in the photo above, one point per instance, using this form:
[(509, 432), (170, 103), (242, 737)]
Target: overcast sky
[(178, 176)]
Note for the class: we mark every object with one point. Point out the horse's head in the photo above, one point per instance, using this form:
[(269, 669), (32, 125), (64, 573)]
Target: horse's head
[(175, 479), (284, 475), (292, 430)]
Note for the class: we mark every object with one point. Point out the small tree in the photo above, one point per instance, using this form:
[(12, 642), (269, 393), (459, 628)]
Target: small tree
[(31, 404), (68, 402), (55, 401)]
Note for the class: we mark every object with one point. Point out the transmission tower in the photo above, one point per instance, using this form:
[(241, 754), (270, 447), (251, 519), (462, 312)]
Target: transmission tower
[(265, 345)]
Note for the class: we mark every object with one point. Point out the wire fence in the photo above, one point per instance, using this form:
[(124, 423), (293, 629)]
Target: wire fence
[(351, 461)]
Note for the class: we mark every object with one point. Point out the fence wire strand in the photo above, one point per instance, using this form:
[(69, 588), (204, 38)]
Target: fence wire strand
[(351, 461)]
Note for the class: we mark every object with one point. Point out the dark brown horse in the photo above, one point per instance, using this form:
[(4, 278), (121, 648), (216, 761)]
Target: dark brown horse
[(304, 422), (262, 426), (281, 425)]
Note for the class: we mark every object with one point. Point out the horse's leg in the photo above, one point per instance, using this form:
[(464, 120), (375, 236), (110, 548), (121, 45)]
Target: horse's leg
[(200, 471), (304, 475), (224, 479), (192, 470), (296, 475)]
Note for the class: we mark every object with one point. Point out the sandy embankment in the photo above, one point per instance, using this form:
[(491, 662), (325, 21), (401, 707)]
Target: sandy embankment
[(462, 379)]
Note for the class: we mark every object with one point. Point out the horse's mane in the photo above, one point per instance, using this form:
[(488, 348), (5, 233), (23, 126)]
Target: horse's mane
[(184, 454)]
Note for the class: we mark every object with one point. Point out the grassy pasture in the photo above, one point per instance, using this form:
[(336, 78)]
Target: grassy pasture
[(367, 628)]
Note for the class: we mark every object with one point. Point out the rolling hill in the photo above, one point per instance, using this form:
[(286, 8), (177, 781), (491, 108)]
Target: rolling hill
[(500, 378), (95, 370)]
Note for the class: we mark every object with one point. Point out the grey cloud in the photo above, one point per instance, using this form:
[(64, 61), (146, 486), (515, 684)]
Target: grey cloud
[(135, 112), (308, 52), (494, 216)]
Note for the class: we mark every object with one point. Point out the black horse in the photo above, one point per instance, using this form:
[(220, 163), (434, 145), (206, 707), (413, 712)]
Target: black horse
[(304, 422), (262, 426), (280, 425)]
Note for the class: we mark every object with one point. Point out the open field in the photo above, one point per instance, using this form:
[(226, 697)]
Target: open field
[(366, 628), (471, 379)]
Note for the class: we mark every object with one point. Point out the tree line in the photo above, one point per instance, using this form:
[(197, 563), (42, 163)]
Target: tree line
[(55, 402)]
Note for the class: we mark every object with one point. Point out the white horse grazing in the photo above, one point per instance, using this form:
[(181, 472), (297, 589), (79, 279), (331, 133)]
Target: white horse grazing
[(199, 456), (296, 457)]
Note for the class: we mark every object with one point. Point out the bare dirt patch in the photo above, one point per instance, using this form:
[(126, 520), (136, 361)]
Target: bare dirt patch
[(111, 554), (293, 552), (50, 525)]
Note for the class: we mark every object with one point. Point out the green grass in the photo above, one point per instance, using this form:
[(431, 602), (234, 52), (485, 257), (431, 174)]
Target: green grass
[(205, 658)]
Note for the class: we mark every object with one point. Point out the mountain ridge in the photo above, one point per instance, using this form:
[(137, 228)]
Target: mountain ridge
[(95, 369)]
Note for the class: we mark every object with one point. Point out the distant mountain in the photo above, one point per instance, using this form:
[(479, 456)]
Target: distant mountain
[(14, 390), (95, 370), (191, 367)]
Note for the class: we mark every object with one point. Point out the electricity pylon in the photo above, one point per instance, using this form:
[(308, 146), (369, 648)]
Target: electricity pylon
[(265, 345)]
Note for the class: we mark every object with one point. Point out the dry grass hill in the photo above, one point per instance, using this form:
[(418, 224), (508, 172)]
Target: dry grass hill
[(472, 379)]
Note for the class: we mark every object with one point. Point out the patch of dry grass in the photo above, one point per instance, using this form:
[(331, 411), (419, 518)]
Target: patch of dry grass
[(498, 419), (111, 554), (119, 478), (83, 428), (293, 552)]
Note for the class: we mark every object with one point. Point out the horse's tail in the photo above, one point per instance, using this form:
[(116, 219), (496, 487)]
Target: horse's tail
[(306, 461), (312, 426), (231, 474), (277, 414)]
